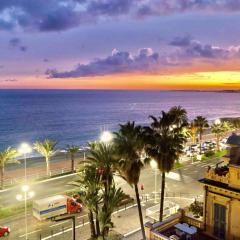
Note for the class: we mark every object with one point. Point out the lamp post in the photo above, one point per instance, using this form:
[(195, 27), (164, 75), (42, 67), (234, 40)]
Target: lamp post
[(24, 197), (153, 165), (217, 121), (106, 137), (24, 149)]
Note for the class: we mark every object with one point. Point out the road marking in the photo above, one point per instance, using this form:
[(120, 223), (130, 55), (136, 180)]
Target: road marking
[(132, 232), (56, 178), (177, 177), (30, 233), (58, 224), (83, 216), (205, 165)]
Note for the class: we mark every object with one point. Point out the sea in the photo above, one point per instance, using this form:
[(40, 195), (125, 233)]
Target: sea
[(79, 116)]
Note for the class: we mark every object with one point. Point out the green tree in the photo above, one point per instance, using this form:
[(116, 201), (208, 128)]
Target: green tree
[(165, 142), (115, 196), (196, 208), (6, 157), (129, 146), (219, 130), (104, 158), (200, 123), (46, 148), (72, 150), (90, 186)]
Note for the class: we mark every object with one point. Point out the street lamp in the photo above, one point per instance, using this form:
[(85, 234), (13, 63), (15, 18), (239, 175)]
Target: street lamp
[(154, 166), (217, 121), (106, 137), (25, 149), (24, 197)]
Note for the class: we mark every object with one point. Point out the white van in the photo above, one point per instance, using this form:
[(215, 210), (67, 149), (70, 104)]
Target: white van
[(50, 207)]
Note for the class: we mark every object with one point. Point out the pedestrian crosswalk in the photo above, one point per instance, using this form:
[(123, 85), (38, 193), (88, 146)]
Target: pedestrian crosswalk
[(190, 172), (177, 176)]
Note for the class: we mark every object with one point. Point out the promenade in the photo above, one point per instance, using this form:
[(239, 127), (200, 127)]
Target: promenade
[(182, 187)]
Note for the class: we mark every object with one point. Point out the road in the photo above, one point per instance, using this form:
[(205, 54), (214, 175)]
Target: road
[(181, 185), (42, 189)]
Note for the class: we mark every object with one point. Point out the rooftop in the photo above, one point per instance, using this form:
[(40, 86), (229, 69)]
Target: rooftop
[(219, 184)]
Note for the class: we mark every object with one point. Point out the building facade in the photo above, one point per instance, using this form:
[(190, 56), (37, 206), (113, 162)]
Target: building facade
[(222, 195)]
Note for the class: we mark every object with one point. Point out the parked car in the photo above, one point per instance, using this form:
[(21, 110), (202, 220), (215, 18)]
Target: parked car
[(4, 231), (194, 148), (224, 140)]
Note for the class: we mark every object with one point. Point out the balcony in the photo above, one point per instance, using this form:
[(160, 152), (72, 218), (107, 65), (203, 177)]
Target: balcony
[(218, 174), (169, 228)]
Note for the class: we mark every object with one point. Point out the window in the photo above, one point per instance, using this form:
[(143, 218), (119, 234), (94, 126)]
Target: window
[(219, 220)]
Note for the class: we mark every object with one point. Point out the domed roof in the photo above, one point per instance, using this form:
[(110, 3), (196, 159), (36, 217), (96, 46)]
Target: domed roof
[(234, 139)]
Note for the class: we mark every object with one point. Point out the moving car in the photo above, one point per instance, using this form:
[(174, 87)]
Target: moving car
[(4, 231)]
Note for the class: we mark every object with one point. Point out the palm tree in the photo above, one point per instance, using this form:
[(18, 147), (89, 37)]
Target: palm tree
[(115, 196), (47, 149), (193, 131), (90, 186), (200, 123), (129, 146), (72, 150), (219, 129), (103, 157), (164, 143), (6, 157)]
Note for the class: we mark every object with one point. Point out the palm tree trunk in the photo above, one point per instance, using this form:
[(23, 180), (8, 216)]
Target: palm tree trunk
[(2, 173), (97, 222), (92, 227), (72, 162), (200, 142), (47, 166), (193, 138), (218, 146), (140, 211), (162, 197)]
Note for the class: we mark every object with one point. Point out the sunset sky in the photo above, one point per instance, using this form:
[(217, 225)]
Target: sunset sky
[(120, 44)]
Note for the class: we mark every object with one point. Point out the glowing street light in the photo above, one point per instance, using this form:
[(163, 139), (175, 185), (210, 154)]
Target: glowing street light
[(106, 137), (25, 188), (217, 121), (25, 149), (154, 166), (24, 197)]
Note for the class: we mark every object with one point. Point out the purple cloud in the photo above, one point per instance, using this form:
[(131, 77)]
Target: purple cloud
[(59, 15), (15, 43), (166, 7), (23, 48), (181, 41), (118, 62), (9, 80), (148, 61), (190, 48)]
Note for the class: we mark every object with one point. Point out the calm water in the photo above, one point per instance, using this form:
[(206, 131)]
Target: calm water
[(78, 116)]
